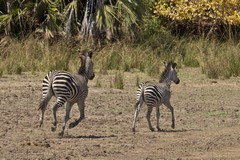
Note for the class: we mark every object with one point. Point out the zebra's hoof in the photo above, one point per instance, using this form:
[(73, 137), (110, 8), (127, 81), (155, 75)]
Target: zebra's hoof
[(159, 129), (133, 130), (173, 126), (60, 134), (53, 128), (152, 129), (72, 125)]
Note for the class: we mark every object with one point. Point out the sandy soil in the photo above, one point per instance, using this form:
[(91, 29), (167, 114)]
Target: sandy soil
[(207, 116)]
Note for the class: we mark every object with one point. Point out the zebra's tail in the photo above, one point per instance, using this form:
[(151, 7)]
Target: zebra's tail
[(140, 95), (47, 90), (43, 103)]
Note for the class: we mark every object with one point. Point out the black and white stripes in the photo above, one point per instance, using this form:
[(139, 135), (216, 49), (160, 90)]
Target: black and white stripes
[(67, 88), (154, 94)]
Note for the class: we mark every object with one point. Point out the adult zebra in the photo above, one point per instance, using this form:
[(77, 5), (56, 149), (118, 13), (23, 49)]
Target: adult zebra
[(154, 94), (67, 87)]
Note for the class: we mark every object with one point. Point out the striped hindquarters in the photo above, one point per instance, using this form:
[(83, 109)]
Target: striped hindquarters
[(62, 84), (47, 82), (150, 94), (140, 91)]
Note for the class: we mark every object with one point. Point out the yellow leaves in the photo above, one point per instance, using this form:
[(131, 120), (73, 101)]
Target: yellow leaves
[(234, 19), (227, 11)]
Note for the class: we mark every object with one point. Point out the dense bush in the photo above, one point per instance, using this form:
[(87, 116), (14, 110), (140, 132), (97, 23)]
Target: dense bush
[(88, 19), (202, 17)]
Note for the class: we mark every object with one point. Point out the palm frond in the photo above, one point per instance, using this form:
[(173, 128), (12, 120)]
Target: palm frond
[(5, 20), (130, 14), (105, 17), (126, 12)]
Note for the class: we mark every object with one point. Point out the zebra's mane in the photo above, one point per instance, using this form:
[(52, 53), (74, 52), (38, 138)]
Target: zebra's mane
[(82, 69), (165, 72)]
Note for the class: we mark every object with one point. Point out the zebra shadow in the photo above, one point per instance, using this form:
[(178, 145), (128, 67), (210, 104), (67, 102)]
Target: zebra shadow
[(88, 136), (173, 130), (179, 130)]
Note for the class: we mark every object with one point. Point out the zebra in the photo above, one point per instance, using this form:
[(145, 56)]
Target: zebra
[(67, 88), (154, 94)]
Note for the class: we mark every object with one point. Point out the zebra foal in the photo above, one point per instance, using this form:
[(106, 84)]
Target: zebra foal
[(155, 94), (67, 88)]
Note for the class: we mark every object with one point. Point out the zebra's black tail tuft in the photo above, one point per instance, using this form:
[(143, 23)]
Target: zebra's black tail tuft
[(42, 104), (140, 94), (46, 99), (47, 91)]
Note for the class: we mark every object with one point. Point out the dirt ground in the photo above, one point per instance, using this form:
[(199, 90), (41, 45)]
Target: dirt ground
[(207, 114)]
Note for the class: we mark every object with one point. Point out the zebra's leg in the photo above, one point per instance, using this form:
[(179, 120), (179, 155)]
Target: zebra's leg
[(43, 106), (81, 106), (158, 117), (138, 106), (149, 111), (168, 104), (60, 102), (66, 118)]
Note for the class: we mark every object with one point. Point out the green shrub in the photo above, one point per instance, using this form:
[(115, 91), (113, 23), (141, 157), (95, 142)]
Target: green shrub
[(220, 59), (127, 65), (1, 72), (118, 81), (18, 69), (137, 81), (98, 82)]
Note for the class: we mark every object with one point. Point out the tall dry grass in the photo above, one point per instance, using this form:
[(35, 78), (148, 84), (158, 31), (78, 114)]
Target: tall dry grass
[(33, 55), (216, 59)]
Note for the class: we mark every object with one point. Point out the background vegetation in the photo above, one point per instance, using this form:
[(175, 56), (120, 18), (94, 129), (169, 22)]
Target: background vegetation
[(41, 35)]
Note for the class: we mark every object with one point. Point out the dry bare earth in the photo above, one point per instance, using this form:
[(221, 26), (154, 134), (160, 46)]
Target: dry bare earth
[(207, 121)]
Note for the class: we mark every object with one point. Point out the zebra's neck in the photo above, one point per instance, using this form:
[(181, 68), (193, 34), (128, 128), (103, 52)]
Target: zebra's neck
[(167, 81), (82, 72), (84, 75)]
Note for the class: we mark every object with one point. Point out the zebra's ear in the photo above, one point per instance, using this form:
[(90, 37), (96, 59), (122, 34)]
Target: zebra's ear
[(82, 56), (90, 53), (165, 64), (174, 65)]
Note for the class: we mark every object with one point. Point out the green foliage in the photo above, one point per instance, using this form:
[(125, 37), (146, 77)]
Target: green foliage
[(114, 60), (137, 81), (32, 55), (18, 69), (219, 59), (118, 81), (24, 16), (1, 72), (46, 18), (216, 58), (214, 17), (126, 57), (98, 82), (218, 113), (127, 66), (195, 10), (105, 18)]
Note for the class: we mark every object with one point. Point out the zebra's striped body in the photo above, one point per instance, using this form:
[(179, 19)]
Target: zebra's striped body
[(155, 94), (67, 88)]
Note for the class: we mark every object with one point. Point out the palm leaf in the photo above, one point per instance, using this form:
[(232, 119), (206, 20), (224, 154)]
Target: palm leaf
[(5, 21), (71, 16), (127, 13), (130, 13), (105, 18)]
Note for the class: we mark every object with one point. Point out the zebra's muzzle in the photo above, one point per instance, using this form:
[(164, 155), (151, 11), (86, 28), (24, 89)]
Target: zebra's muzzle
[(91, 78), (178, 81)]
